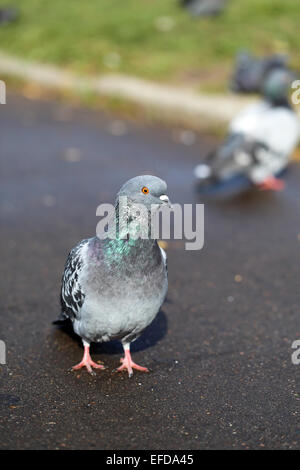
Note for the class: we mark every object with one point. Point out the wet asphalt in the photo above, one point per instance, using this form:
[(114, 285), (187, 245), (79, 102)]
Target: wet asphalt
[(219, 350)]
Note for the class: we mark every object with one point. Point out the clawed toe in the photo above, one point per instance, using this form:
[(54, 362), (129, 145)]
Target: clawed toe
[(88, 363), (127, 363), (88, 366)]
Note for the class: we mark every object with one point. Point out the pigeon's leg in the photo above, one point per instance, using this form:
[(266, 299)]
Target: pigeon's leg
[(87, 360), (272, 183), (127, 362)]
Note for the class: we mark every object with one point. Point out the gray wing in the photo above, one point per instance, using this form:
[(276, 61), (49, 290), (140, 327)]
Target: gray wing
[(72, 295)]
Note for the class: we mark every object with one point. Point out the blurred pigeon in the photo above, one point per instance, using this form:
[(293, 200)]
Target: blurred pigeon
[(113, 288), (8, 15), (260, 140), (204, 7), (250, 72)]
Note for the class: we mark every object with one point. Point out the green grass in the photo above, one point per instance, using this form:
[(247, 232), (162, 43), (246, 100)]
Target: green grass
[(96, 36)]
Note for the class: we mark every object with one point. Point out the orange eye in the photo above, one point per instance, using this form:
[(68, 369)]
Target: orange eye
[(145, 190)]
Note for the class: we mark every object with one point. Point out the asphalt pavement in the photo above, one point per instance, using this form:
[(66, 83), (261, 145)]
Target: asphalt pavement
[(219, 350)]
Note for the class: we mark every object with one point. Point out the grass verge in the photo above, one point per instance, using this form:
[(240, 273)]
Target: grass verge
[(152, 39)]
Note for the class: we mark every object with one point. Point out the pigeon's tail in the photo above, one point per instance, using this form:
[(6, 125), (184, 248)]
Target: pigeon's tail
[(61, 320)]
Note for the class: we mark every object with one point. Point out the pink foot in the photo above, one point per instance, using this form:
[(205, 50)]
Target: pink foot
[(88, 362), (272, 183), (127, 363)]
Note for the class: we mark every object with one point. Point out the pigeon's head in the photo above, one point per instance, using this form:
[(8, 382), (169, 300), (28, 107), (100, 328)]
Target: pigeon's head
[(146, 189), (277, 85)]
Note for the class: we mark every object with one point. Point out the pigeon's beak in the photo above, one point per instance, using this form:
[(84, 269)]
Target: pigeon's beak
[(165, 200)]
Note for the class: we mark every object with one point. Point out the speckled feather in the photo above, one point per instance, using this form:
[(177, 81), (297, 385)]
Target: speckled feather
[(72, 296)]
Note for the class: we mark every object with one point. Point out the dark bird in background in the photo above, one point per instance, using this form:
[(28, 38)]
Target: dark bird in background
[(250, 72), (8, 15), (113, 288), (204, 7)]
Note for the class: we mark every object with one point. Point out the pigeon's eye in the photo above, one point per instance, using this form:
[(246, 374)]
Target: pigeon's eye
[(145, 190)]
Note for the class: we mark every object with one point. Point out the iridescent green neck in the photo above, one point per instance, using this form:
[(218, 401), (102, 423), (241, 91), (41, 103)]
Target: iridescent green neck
[(124, 237)]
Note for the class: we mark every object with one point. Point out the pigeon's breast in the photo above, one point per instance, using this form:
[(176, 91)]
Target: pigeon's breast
[(122, 299)]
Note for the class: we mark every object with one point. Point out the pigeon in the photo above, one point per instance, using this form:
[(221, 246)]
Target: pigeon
[(251, 72), (273, 126), (204, 7), (8, 15), (260, 140), (113, 286)]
